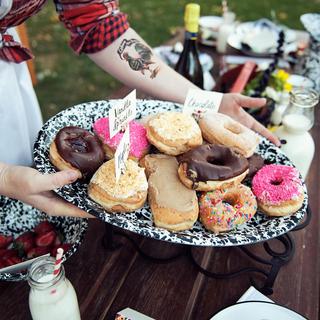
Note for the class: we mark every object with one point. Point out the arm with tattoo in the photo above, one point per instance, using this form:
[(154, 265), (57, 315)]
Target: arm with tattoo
[(131, 60)]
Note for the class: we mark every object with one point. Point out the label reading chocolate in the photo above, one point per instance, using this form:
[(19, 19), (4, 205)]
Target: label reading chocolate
[(122, 113), (121, 154), (199, 101)]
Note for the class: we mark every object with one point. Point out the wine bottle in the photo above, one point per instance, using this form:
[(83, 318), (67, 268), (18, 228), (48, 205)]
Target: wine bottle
[(188, 64)]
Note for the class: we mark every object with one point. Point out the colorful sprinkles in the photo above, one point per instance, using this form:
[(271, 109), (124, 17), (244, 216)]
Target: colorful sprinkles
[(218, 214)]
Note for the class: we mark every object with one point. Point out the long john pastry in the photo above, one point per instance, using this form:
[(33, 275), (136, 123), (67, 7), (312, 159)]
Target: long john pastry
[(174, 206)]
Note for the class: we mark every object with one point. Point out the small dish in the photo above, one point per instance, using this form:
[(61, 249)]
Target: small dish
[(17, 218)]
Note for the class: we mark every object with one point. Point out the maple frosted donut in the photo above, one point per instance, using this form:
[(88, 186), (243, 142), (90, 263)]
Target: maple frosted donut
[(139, 145), (222, 210), (211, 166), (278, 189), (173, 133), (221, 129), (173, 205), (78, 149), (126, 195)]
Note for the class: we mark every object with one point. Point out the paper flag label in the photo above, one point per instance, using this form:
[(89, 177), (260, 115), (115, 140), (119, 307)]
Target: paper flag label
[(122, 113), (199, 101), (121, 155)]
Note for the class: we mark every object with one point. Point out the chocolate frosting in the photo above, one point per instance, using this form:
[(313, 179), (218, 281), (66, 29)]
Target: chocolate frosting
[(256, 162), (81, 149), (213, 162)]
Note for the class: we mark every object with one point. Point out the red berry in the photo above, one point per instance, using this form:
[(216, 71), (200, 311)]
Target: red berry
[(36, 252), (2, 264), (43, 227), (57, 241), (46, 239), (25, 241), (12, 260), (7, 253), (5, 241)]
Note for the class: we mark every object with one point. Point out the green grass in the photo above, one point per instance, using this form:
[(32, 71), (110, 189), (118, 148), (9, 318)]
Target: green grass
[(66, 79)]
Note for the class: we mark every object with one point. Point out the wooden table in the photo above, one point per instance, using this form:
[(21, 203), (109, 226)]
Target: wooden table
[(109, 281)]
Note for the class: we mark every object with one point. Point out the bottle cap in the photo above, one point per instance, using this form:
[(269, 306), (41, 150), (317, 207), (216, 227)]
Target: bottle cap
[(191, 17)]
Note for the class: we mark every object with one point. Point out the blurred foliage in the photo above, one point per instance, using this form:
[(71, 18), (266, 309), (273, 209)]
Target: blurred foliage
[(65, 79)]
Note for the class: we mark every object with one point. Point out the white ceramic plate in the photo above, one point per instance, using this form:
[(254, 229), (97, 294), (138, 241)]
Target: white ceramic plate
[(249, 31), (257, 310)]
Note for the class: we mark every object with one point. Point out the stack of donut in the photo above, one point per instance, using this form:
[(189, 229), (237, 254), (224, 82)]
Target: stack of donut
[(196, 171)]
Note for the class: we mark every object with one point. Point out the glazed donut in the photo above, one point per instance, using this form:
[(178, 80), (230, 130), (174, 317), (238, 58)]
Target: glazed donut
[(224, 209), (139, 145), (126, 195), (78, 149), (221, 129), (173, 132), (211, 166), (278, 189), (174, 206)]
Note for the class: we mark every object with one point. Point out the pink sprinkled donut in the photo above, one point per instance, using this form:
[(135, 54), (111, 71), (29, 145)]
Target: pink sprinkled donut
[(139, 145), (278, 189), (223, 209)]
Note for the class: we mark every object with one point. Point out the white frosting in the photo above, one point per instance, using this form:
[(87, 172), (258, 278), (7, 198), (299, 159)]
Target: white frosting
[(130, 183)]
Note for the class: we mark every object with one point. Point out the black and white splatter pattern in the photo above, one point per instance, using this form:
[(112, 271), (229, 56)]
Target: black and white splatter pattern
[(260, 228), (17, 217)]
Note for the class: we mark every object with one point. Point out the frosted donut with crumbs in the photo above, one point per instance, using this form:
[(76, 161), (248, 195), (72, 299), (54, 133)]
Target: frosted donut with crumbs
[(173, 133), (126, 195)]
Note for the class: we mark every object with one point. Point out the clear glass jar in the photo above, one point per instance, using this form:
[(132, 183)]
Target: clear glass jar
[(299, 116), (51, 297), (297, 142)]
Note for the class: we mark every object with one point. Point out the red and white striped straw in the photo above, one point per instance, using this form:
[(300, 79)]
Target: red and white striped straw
[(57, 264)]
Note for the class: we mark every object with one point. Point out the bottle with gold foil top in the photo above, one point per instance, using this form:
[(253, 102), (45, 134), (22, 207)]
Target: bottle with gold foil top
[(189, 64)]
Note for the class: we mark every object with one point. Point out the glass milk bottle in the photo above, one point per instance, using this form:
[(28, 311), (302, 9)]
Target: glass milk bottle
[(225, 30), (51, 297), (298, 144)]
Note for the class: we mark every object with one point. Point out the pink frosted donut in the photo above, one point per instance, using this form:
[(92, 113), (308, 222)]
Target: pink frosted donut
[(139, 145), (278, 189)]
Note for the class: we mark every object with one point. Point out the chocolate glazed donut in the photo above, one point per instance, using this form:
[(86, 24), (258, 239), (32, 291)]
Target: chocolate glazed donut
[(212, 163), (81, 149)]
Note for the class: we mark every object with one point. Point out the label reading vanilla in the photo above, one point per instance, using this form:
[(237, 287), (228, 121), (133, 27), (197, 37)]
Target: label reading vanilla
[(122, 113), (199, 101), (121, 155)]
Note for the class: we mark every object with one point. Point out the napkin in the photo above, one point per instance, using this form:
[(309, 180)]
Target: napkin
[(252, 294)]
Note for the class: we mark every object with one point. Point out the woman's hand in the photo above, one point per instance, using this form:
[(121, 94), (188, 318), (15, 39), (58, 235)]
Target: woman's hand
[(232, 105), (30, 186)]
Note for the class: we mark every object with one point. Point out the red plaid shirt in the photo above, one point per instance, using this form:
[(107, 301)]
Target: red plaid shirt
[(93, 25)]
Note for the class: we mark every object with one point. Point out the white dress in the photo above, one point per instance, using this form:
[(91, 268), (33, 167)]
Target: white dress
[(20, 116)]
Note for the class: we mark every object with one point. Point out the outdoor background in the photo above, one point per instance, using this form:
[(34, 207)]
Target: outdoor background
[(65, 79)]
